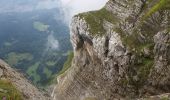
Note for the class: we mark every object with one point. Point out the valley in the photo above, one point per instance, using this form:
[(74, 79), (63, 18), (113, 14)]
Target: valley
[(35, 43)]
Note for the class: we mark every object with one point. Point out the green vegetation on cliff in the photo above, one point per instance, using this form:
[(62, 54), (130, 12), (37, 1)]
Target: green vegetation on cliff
[(8, 91), (90, 98), (144, 69), (95, 20), (67, 64), (161, 5)]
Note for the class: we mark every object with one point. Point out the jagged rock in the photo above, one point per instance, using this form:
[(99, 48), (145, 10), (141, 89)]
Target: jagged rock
[(160, 75), (1, 72), (165, 96), (17, 79), (120, 52)]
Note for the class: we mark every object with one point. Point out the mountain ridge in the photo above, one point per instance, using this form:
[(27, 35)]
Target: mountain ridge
[(18, 80), (121, 52), (126, 58)]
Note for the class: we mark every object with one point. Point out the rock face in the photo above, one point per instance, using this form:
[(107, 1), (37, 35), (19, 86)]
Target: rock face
[(28, 91), (120, 51)]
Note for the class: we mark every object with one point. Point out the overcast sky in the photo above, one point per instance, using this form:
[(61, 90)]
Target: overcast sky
[(69, 7), (72, 7), (83, 5)]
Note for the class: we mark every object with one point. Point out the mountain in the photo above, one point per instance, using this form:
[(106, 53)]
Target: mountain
[(35, 42), (14, 86), (120, 52)]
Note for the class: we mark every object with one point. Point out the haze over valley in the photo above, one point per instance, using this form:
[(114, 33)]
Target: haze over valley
[(84, 49), (34, 35)]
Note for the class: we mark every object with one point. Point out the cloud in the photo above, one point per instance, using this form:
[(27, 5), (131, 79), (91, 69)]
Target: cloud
[(26, 5), (52, 43), (73, 7), (67, 8), (47, 4), (77, 6)]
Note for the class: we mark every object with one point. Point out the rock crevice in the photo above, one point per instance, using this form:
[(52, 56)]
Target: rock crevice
[(123, 55)]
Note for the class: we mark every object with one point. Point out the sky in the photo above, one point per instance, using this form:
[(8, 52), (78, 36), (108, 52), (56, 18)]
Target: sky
[(68, 7), (77, 6), (72, 7)]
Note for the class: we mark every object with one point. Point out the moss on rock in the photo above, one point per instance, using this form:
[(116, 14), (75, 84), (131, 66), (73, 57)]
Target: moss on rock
[(95, 20), (8, 91), (160, 5), (67, 64)]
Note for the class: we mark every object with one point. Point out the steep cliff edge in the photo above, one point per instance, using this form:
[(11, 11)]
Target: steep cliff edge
[(14, 86), (120, 51)]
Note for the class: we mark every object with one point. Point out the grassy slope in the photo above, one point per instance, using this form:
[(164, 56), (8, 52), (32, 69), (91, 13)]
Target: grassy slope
[(9, 91), (95, 20), (161, 5), (67, 64)]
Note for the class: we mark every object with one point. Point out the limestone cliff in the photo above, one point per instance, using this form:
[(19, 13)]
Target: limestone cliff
[(17, 80), (120, 51)]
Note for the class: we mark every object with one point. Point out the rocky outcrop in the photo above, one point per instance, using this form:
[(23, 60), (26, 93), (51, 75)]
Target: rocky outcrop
[(28, 91), (120, 51), (165, 96)]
